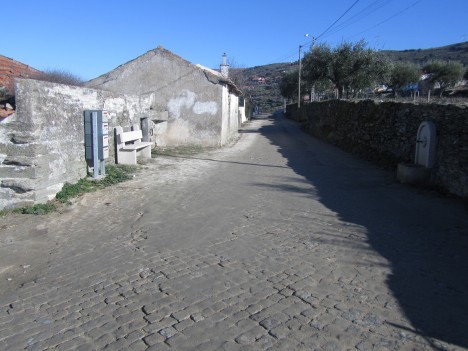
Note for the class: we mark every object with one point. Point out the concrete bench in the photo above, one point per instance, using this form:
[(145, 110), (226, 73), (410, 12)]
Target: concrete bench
[(130, 146)]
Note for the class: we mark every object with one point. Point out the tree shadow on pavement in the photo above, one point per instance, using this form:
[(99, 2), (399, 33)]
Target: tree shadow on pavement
[(423, 236)]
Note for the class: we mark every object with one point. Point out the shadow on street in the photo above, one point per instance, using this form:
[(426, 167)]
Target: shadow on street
[(423, 236)]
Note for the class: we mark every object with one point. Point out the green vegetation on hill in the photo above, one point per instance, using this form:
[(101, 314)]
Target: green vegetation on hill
[(266, 93), (455, 52), (260, 84)]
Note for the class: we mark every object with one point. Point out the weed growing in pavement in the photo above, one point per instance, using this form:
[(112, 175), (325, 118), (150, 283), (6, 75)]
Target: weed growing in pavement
[(117, 174), (181, 150), (73, 190), (38, 209), (114, 174)]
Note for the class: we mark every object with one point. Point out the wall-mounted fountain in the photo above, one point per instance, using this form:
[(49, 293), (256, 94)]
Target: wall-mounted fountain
[(419, 172)]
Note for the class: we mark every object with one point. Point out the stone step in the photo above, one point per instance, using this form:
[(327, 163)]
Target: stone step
[(16, 193), (30, 150), (18, 185), (17, 172)]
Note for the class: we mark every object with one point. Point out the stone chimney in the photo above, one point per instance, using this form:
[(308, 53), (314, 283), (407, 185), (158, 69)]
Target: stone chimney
[(224, 67)]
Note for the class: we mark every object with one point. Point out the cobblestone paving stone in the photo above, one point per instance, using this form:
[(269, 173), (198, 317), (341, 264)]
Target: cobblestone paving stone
[(294, 279)]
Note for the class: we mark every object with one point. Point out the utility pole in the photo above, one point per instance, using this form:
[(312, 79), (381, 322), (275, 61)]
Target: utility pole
[(299, 84), (312, 89)]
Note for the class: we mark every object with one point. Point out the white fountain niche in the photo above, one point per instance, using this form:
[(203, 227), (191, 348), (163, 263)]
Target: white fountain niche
[(419, 172)]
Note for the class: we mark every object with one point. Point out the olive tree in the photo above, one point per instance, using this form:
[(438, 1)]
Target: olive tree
[(402, 74), (447, 74), (350, 66), (289, 85)]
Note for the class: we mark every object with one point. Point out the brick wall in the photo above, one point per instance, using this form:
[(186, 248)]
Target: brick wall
[(385, 133)]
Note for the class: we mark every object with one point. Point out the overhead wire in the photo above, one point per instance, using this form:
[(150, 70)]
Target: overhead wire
[(368, 10), (387, 19), (331, 26), (305, 44)]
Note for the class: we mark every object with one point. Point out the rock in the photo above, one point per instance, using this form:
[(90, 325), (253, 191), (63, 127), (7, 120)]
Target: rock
[(168, 332), (269, 323), (145, 273)]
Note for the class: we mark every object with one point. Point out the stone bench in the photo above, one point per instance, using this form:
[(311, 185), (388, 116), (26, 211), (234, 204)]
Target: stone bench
[(130, 146)]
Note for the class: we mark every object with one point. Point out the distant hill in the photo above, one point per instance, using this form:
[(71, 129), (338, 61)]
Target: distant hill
[(454, 52), (261, 83)]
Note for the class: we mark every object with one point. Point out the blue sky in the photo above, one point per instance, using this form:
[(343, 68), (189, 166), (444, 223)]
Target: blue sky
[(91, 37)]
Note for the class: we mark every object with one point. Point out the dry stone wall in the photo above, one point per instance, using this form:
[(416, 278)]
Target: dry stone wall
[(385, 133)]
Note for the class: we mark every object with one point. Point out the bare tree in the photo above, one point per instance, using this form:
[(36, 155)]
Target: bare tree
[(60, 76)]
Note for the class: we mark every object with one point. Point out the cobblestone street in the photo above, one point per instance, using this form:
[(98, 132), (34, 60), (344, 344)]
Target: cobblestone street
[(277, 242)]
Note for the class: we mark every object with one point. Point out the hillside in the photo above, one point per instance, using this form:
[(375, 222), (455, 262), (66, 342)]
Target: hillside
[(261, 83), (455, 52)]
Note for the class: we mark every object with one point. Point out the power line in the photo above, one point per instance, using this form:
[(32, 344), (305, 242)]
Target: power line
[(376, 5), (373, 7), (388, 19), (306, 44), (326, 30)]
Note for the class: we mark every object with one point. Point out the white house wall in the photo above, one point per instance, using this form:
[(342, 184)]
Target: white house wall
[(190, 96)]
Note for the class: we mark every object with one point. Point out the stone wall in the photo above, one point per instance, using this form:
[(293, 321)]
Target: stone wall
[(42, 144), (385, 133)]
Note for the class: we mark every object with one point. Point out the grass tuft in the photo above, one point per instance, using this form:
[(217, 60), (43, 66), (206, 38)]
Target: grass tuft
[(38, 209), (114, 174)]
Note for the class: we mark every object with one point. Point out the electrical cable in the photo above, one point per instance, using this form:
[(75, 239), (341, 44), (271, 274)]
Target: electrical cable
[(387, 19), (376, 5), (326, 30), (370, 9)]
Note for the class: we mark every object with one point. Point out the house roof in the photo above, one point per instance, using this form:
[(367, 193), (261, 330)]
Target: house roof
[(11, 69), (212, 75), (216, 77)]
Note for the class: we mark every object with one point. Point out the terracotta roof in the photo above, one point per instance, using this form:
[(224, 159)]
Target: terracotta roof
[(11, 69)]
